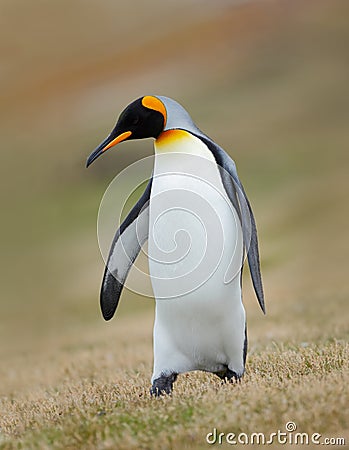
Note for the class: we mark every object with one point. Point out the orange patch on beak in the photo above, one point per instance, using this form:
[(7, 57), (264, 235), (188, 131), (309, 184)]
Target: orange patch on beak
[(118, 139)]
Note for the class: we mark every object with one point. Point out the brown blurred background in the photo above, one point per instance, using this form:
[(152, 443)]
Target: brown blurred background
[(268, 80)]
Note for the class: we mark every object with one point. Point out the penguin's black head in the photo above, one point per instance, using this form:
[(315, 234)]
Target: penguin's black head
[(143, 118)]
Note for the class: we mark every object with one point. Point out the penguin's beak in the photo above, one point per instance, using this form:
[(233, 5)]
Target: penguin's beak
[(109, 142)]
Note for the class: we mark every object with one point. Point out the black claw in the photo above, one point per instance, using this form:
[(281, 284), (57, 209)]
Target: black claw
[(163, 385), (229, 376)]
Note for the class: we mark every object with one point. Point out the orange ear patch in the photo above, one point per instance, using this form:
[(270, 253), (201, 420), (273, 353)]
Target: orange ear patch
[(155, 104)]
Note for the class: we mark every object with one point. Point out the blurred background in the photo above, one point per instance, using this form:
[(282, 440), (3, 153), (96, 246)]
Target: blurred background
[(268, 80)]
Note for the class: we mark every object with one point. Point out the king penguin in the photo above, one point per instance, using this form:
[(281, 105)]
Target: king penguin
[(199, 225)]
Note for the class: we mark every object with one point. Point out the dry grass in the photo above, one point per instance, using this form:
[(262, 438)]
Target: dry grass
[(274, 75), (92, 404)]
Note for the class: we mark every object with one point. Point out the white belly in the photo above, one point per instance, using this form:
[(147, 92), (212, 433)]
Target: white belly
[(195, 258)]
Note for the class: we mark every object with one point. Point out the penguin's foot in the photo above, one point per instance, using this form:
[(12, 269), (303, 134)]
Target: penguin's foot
[(228, 375), (163, 385)]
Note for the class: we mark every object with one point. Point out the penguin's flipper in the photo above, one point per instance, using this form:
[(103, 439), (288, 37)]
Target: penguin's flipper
[(249, 229), (126, 245), (238, 197)]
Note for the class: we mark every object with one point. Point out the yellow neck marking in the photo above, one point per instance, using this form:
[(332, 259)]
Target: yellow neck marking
[(169, 138), (180, 141)]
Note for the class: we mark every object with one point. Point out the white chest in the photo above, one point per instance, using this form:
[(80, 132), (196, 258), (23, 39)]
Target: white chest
[(195, 237)]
